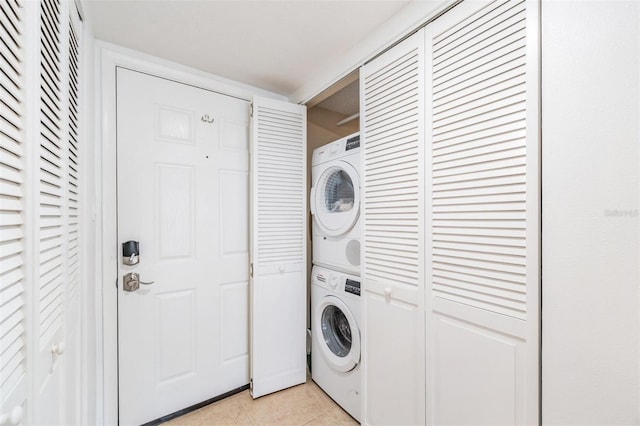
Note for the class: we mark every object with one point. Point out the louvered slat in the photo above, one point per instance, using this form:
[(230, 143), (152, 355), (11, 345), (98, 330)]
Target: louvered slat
[(479, 161), (12, 206), (392, 185), (280, 219)]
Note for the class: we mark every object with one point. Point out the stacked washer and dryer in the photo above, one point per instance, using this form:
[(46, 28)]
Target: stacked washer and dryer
[(335, 277)]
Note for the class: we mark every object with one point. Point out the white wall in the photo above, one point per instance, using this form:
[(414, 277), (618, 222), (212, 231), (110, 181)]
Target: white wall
[(590, 237)]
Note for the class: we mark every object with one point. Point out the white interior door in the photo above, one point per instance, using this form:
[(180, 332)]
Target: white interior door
[(483, 266), (183, 195), (278, 246)]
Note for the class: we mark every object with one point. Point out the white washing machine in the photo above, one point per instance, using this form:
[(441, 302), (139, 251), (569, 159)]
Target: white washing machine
[(335, 327), (335, 205)]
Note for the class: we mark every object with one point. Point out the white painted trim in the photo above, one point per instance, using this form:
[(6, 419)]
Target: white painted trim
[(88, 254), (533, 356), (407, 20), (128, 58), (98, 288), (108, 57)]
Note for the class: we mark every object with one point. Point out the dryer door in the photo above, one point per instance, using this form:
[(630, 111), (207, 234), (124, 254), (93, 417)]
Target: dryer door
[(337, 335), (335, 199)]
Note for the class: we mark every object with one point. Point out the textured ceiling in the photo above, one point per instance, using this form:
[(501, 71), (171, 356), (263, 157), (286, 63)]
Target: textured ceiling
[(274, 45)]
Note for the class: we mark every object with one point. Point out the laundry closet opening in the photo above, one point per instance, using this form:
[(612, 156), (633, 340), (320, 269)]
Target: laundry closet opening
[(332, 114), (333, 243)]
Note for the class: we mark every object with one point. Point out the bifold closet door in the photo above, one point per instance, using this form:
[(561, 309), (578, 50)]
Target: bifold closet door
[(392, 123), (483, 261), (75, 176), (39, 212), (278, 285), (56, 194), (13, 311), (51, 238)]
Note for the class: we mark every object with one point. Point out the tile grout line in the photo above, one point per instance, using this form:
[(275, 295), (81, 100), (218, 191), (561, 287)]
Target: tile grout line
[(244, 409), (317, 417)]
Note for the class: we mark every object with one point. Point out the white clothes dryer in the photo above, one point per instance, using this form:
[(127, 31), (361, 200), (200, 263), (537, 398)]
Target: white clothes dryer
[(335, 205), (335, 327)]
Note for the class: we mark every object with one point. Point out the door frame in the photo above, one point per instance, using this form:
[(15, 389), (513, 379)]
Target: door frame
[(108, 58)]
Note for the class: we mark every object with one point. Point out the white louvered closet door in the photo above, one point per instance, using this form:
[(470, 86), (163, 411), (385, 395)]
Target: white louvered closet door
[(483, 301), (278, 246), (51, 233), (13, 343), (392, 123), (72, 292)]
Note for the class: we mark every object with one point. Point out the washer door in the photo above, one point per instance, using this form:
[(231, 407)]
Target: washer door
[(337, 199), (337, 334)]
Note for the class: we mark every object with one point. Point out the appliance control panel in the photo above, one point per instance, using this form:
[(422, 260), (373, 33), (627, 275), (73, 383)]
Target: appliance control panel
[(352, 143), (335, 149), (352, 287)]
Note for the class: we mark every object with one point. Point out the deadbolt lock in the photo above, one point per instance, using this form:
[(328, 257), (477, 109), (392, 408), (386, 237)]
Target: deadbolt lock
[(130, 253)]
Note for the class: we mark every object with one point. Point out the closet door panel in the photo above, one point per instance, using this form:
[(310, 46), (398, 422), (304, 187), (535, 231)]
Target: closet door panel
[(39, 212), (13, 311), (394, 354), (483, 214), (278, 246), (393, 235), (50, 186), (72, 292)]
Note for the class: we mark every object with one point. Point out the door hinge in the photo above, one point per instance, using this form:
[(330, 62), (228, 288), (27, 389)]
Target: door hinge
[(251, 110), (251, 270), (251, 383)]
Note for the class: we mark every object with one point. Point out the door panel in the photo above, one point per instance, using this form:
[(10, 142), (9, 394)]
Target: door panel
[(73, 291), (183, 194), (392, 96), (13, 192), (51, 241), (278, 247), (395, 351), (483, 214), (463, 380)]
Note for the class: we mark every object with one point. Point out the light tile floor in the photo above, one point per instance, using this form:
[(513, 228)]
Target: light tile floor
[(304, 404)]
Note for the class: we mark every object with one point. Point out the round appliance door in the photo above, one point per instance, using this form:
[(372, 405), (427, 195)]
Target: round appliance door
[(337, 199), (337, 334)]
